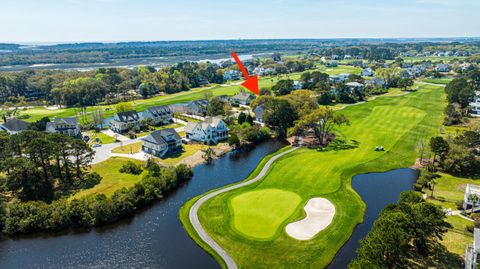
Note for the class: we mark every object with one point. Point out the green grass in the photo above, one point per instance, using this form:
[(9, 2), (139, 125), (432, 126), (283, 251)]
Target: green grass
[(258, 214), (397, 123), (442, 81), (450, 189), (128, 149), (173, 126), (112, 179), (104, 139), (187, 151), (456, 239)]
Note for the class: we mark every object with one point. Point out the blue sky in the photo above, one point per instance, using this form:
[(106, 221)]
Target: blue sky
[(125, 20)]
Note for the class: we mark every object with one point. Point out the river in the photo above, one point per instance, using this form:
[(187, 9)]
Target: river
[(155, 238)]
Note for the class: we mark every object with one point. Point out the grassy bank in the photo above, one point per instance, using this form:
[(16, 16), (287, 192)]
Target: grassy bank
[(246, 232)]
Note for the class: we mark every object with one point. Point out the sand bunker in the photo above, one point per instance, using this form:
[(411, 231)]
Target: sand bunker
[(320, 213)]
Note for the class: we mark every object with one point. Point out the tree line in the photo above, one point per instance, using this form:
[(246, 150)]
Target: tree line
[(460, 92), (94, 210)]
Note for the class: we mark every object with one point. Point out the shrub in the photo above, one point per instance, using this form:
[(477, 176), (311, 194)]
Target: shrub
[(91, 180), (183, 172), (131, 168), (459, 204)]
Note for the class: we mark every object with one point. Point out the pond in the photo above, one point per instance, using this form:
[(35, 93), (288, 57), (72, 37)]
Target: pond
[(377, 191)]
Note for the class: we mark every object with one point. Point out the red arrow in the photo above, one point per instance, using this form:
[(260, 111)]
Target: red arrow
[(252, 82)]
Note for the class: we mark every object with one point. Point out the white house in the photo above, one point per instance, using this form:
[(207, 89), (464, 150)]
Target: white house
[(470, 192), (472, 251), (475, 105), (66, 126), (442, 68), (14, 126), (297, 85), (159, 114), (367, 72), (123, 120), (210, 131), (161, 143)]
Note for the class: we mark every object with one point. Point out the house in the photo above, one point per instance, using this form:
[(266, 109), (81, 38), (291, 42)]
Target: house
[(14, 126), (161, 143), (442, 68), (339, 78), (243, 98), (259, 71), (376, 82), (407, 73), (258, 111), (470, 191), (367, 72), (331, 64), (210, 131), (197, 107), (472, 251), (159, 114), (355, 86), (123, 121), (224, 98), (231, 75), (297, 85), (475, 105), (66, 126), (407, 65), (347, 57)]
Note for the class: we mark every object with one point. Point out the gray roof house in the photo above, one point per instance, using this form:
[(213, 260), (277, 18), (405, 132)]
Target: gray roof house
[(122, 120), (197, 107), (66, 126), (243, 98), (442, 68), (161, 143), (14, 126), (258, 111), (210, 131), (376, 82), (159, 114), (355, 86)]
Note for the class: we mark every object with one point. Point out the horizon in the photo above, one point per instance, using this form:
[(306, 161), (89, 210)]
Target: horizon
[(74, 21)]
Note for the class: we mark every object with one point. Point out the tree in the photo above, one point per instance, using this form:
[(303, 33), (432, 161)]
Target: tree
[(321, 121), (123, 107), (208, 155), (280, 115), (459, 91), (404, 83), (283, 87), (98, 118), (473, 198), (216, 107), (439, 146), (421, 148), (241, 118)]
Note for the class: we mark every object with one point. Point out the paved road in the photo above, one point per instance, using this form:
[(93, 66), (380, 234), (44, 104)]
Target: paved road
[(193, 214)]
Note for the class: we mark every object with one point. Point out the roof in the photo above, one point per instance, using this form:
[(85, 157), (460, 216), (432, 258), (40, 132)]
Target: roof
[(213, 121), (159, 110), (15, 125), (209, 121), (354, 84), (258, 111), (163, 136), (71, 121), (242, 96), (476, 239), (131, 115)]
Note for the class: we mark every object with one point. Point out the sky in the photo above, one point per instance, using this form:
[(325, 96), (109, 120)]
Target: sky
[(26, 21)]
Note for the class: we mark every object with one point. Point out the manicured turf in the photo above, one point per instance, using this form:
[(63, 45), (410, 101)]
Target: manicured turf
[(112, 179), (104, 139), (258, 214), (128, 149), (442, 81), (397, 123), (456, 239)]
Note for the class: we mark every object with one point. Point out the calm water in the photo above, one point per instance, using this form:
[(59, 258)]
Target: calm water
[(154, 238), (377, 191)]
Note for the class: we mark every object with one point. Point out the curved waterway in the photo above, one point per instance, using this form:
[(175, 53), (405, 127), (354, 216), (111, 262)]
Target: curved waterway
[(153, 238), (377, 191)]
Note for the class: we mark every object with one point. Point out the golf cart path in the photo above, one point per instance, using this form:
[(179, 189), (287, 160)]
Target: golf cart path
[(193, 214)]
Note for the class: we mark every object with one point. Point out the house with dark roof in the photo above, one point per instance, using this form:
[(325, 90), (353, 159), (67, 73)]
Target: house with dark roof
[(243, 98), (66, 126), (14, 126), (159, 114), (161, 143), (123, 121), (258, 111), (197, 107)]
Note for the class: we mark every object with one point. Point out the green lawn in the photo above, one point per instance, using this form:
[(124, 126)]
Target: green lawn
[(456, 239), (396, 123), (187, 151), (104, 139), (112, 179), (128, 149), (442, 81)]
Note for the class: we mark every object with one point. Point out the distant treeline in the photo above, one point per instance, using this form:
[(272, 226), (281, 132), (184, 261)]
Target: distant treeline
[(13, 54)]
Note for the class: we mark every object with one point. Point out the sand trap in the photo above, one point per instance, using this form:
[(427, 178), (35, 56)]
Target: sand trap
[(320, 213)]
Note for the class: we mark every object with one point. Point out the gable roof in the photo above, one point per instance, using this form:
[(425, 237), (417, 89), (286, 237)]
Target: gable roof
[(204, 125), (70, 121), (131, 115), (258, 111), (15, 125), (159, 110), (243, 96), (163, 136)]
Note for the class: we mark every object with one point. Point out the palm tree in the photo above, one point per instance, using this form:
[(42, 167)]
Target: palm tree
[(208, 155), (473, 197)]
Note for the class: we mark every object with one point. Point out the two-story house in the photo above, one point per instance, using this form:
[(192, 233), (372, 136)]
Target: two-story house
[(14, 126), (159, 114), (66, 126), (123, 121), (243, 98), (210, 131), (475, 105), (161, 143)]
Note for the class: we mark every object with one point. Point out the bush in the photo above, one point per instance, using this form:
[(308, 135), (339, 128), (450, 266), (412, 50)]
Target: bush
[(131, 168), (91, 180), (459, 204), (183, 172)]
